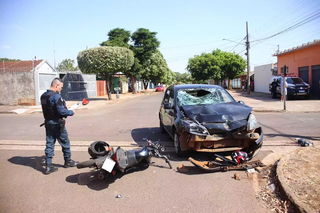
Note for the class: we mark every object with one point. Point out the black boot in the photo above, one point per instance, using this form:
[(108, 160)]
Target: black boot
[(70, 163), (50, 169)]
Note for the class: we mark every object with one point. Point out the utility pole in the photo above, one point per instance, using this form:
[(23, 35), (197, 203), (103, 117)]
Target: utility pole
[(284, 87), (248, 64)]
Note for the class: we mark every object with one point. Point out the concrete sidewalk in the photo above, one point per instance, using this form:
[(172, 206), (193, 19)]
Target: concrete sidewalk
[(260, 102), (95, 102), (263, 102)]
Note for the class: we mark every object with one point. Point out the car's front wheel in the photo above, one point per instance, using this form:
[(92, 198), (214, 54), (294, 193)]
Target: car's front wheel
[(177, 147)]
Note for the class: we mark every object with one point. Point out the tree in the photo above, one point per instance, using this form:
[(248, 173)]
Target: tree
[(154, 69), (217, 65), (67, 65), (184, 78), (233, 65), (118, 37), (105, 60), (8, 59), (144, 45), (168, 78), (206, 66)]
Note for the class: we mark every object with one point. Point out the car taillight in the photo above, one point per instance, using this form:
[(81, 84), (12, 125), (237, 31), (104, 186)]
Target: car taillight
[(306, 87)]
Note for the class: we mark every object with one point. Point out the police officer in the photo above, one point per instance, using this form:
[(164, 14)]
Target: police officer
[(274, 85), (55, 111)]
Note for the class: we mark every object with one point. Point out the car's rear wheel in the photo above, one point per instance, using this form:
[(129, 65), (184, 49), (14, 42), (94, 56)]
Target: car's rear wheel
[(177, 147), (162, 129)]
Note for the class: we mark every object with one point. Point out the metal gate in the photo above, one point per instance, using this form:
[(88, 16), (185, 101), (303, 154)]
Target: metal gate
[(43, 83), (315, 89), (304, 74)]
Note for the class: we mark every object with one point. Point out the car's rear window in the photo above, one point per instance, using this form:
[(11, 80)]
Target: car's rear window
[(159, 86), (201, 96)]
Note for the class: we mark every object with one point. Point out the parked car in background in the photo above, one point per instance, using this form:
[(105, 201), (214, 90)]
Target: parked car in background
[(296, 86), (206, 118), (159, 88)]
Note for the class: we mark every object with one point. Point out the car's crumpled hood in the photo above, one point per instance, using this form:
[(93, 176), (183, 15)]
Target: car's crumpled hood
[(214, 117)]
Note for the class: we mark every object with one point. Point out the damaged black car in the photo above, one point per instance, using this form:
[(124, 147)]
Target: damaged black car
[(206, 118)]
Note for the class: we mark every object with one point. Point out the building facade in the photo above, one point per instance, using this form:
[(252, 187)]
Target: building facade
[(303, 61)]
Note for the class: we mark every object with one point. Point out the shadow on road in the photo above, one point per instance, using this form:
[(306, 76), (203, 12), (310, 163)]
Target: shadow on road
[(152, 133), (291, 137), (35, 162), (91, 180)]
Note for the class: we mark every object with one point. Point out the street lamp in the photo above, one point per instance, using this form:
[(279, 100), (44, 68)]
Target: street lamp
[(233, 41)]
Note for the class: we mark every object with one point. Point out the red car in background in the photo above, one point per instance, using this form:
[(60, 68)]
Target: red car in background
[(159, 88)]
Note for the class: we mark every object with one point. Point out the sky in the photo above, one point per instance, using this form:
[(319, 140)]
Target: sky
[(58, 30)]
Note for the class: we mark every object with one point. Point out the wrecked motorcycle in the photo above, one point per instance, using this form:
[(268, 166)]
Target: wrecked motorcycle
[(107, 161)]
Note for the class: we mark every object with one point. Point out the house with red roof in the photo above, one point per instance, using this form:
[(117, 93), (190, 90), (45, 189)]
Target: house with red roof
[(23, 82)]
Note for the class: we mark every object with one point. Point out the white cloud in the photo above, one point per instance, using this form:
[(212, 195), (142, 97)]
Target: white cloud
[(6, 47)]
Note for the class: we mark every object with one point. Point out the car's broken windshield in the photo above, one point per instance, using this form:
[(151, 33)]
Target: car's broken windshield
[(202, 96)]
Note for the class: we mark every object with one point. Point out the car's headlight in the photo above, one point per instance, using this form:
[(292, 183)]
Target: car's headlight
[(252, 123), (194, 128), (292, 87)]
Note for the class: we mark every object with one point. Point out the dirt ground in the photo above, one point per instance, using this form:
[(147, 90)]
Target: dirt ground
[(301, 173), (268, 193)]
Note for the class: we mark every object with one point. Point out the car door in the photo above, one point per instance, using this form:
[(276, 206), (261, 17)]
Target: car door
[(163, 112), (167, 114), (171, 113)]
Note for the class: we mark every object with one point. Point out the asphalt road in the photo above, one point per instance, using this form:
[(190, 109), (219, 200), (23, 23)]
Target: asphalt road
[(156, 189)]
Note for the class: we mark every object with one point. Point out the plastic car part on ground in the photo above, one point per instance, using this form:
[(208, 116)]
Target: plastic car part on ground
[(225, 165), (304, 142)]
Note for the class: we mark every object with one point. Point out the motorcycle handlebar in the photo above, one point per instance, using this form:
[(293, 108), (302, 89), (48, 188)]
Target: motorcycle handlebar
[(157, 149)]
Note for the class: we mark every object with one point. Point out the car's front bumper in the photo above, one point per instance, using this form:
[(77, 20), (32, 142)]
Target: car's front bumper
[(222, 142), (298, 92)]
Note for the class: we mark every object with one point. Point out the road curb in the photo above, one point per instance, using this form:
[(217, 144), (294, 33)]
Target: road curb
[(286, 190), (7, 112), (107, 102)]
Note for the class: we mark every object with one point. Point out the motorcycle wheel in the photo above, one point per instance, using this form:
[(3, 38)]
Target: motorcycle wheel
[(102, 175), (85, 164)]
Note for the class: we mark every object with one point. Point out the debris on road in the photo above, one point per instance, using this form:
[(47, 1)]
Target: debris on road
[(182, 169), (225, 165), (269, 194), (236, 176), (118, 196), (251, 170), (304, 142)]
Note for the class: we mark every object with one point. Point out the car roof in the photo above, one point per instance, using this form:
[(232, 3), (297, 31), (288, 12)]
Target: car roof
[(195, 86)]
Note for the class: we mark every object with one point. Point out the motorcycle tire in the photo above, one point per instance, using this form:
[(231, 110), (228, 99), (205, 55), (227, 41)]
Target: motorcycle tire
[(85, 164), (98, 149)]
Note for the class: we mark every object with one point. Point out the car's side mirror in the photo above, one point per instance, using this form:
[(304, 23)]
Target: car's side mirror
[(241, 102), (167, 106)]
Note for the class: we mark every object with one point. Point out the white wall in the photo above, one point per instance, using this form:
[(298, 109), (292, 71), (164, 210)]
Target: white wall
[(44, 74), (262, 76)]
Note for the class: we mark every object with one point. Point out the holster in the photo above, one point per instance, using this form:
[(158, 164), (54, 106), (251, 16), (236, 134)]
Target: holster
[(62, 123)]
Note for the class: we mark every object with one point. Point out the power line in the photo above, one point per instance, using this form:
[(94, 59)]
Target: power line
[(238, 43), (307, 20), (293, 21), (199, 51), (198, 44), (284, 15)]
